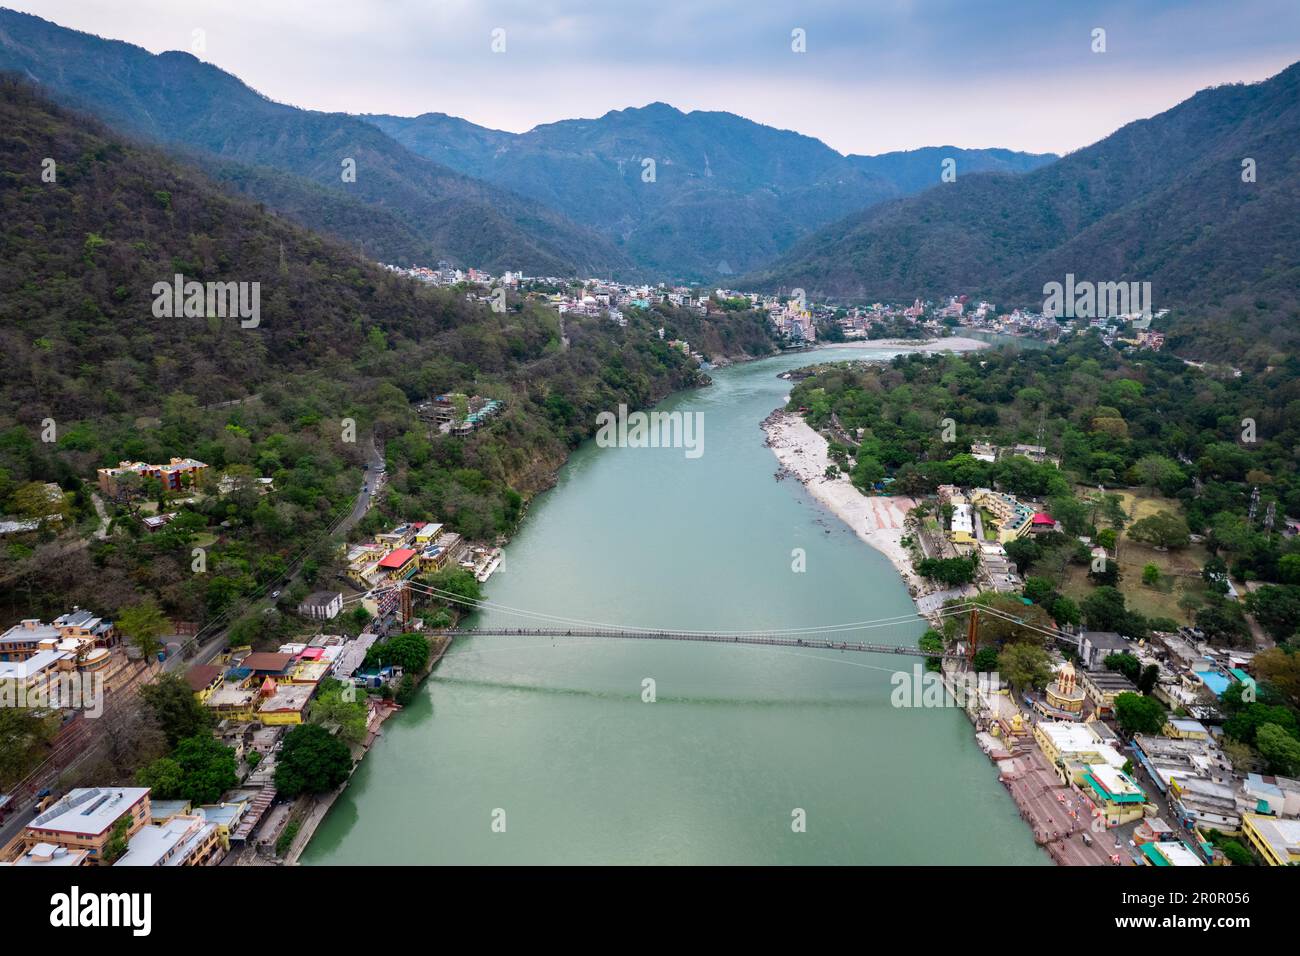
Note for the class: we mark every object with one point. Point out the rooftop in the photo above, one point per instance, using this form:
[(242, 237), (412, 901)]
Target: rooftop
[(396, 558), (201, 676), (266, 661), (49, 854), (89, 810), (165, 845), (1170, 853)]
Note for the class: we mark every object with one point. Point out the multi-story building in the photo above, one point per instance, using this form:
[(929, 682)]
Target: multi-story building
[(962, 530), (1102, 687), (84, 820), (1072, 747), (1205, 803), (1277, 841), (176, 475), (1119, 798), (29, 636), (1014, 518), (184, 840)]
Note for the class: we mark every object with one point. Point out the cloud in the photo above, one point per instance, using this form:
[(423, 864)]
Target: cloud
[(876, 76)]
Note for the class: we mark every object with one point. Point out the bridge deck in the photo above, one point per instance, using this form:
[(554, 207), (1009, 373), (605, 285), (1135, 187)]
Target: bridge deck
[(707, 637)]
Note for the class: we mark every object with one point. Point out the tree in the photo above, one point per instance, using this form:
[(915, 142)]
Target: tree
[(1010, 620), (1279, 748), (1125, 663), (1158, 473), (1023, 552), (1040, 591), (311, 761), (931, 641), (34, 500), (1136, 714), (1215, 574), (1024, 666), (200, 770), (1162, 529), (1244, 725), (24, 732), (410, 652), (1237, 854), (986, 660), (1281, 670), (177, 710), (866, 472), (948, 571), (459, 587), (1104, 610), (1071, 513), (1223, 622), (337, 704), (117, 842), (1064, 611), (1146, 681), (1150, 575), (1277, 608), (143, 624)]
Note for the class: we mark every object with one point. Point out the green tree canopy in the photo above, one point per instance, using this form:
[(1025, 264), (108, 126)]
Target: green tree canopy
[(1137, 714), (174, 706), (311, 761)]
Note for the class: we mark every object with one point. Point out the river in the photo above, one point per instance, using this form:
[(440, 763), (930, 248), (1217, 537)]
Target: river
[(554, 743)]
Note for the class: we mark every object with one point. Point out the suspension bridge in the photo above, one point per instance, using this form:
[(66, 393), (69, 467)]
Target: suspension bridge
[(834, 637), (760, 638)]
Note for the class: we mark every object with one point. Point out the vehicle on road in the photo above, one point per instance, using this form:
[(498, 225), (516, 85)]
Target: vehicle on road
[(275, 594)]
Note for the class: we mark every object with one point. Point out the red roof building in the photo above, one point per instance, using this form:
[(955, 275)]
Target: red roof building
[(400, 562)]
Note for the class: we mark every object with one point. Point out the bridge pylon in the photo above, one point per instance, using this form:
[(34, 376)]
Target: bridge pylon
[(972, 636)]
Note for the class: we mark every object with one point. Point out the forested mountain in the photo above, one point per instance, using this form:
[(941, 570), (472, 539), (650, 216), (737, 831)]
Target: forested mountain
[(400, 205), (83, 351), (727, 195), (1160, 200)]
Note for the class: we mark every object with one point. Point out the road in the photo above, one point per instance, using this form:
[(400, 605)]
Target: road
[(212, 643), (215, 641)]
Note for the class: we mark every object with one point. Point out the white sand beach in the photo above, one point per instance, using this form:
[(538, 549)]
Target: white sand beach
[(877, 521)]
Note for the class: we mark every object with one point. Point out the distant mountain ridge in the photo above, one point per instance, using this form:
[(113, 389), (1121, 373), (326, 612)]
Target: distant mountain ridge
[(293, 158), (726, 194), (1160, 200)]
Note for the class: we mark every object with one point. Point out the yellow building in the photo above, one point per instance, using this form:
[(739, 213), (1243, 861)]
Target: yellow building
[(1064, 694), (962, 530), (1120, 799), (1181, 729), (1277, 841)]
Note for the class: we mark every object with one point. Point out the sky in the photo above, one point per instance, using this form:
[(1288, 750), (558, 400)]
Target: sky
[(873, 76)]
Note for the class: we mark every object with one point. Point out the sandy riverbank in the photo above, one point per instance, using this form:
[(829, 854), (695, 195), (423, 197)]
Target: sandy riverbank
[(878, 521)]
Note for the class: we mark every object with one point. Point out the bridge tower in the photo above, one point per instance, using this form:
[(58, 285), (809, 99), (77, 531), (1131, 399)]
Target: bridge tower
[(972, 635)]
